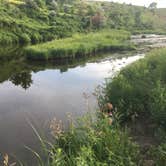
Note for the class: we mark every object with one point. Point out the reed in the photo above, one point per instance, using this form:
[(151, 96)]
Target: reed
[(80, 45), (90, 141)]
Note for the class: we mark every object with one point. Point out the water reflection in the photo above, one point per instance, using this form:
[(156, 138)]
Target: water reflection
[(24, 79), (18, 71), (10, 52), (52, 90)]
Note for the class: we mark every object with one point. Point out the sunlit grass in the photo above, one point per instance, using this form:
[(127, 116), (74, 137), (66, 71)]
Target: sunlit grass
[(16, 2), (80, 45)]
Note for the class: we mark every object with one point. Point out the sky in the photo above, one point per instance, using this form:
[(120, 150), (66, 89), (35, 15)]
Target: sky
[(161, 3)]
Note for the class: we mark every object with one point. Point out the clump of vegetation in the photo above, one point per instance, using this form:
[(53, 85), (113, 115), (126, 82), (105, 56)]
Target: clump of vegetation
[(90, 142), (140, 88), (138, 93), (30, 21), (80, 45)]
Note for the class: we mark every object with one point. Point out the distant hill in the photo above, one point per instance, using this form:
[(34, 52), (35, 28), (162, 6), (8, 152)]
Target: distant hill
[(33, 21)]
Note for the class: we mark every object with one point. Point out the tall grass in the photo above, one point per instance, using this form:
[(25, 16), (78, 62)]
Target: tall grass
[(138, 94), (140, 88), (80, 45), (91, 142)]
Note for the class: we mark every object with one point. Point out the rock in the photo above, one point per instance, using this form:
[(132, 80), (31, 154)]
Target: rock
[(143, 36)]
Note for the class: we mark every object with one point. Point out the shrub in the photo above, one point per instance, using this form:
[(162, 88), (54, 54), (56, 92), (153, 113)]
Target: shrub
[(93, 142), (24, 38), (139, 89)]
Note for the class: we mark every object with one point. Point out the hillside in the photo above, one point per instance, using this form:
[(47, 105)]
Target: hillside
[(30, 21)]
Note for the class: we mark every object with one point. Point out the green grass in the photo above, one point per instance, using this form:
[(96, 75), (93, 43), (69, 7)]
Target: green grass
[(141, 88), (138, 94), (91, 141), (80, 45)]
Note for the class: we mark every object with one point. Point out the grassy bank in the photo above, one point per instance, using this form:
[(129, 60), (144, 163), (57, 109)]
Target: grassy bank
[(80, 45), (138, 93), (135, 89), (89, 142)]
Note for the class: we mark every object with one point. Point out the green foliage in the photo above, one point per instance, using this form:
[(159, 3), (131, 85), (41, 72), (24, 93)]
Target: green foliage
[(80, 45), (44, 20), (159, 154), (30, 22), (158, 105), (139, 89), (93, 142), (138, 94)]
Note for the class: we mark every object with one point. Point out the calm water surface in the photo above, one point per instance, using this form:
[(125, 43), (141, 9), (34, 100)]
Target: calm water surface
[(38, 94)]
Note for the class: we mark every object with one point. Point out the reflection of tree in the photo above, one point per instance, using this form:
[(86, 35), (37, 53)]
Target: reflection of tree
[(23, 79)]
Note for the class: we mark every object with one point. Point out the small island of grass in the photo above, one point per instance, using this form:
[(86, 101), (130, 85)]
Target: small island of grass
[(80, 45)]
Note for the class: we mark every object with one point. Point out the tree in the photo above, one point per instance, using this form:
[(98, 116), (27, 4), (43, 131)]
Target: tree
[(53, 5), (31, 4), (98, 20), (24, 79), (138, 22), (153, 7)]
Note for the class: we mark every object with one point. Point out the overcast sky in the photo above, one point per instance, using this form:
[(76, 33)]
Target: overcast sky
[(161, 3)]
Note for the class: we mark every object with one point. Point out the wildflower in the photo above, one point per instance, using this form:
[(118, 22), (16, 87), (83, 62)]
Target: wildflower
[(56, 127), (110, 114), (5, 159), (110, 106)]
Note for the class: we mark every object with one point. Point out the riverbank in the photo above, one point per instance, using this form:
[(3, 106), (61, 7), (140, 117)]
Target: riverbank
[(138, 93), (90, 141), (80, 45), (135, 94)]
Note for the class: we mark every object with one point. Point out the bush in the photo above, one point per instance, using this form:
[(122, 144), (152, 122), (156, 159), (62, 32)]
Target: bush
[(24, 39), (93, 142), (139, 89)]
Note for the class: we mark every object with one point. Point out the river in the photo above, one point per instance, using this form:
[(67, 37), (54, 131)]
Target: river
[(39, 92)]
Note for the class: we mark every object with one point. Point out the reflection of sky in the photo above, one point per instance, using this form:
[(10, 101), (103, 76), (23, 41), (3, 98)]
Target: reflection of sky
[(53, 91), (52, 94)]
